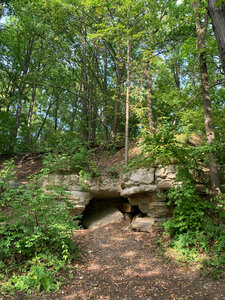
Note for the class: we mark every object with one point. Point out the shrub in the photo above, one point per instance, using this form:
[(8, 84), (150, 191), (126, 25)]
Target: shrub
[(35, 233), (68, 158), (198, 222)]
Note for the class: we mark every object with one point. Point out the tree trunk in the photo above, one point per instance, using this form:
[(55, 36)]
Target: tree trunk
[(149, 97), (128, 93), (176, 67), (214, 174), (30, 116), (44, 121), (105, 96), (118, 95), (20, 93), (84, 89), (56, 113), (217, 14), (73, 115), (95, 106)]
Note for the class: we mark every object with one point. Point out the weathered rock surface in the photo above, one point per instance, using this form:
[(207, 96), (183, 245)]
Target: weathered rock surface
[(102, 218), (140, 187), (143, 224), (141, 176)]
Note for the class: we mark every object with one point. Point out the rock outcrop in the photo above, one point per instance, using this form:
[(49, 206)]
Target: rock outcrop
[(142, 188)]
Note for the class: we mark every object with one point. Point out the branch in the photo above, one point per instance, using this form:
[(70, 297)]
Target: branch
[(192, 99)]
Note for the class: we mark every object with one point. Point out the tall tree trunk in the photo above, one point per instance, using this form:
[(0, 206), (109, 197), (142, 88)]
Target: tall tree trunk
[(73, 115), (214, 174), (105, 109), (217, 14), (18, 117), (149, 97), (95, 103), (128, 93), (44, 121), (20, 94), (118, 94), (30, 116), (177, 69), (84, 88), (56, 113)]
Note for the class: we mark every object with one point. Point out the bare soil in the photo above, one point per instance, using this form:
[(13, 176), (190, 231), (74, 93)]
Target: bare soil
[(117, 263), (27, 165)]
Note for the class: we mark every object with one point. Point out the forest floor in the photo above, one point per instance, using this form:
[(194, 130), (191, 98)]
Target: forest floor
[(117, 263)]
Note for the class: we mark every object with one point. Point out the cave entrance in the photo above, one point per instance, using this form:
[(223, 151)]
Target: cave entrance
[(103, 210)]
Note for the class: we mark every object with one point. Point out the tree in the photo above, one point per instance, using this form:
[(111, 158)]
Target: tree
[(210, 134), (216, 11)]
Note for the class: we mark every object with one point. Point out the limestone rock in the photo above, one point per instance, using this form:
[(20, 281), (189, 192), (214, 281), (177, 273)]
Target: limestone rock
[(79, 197), (102, 218), (164, 185), (58, 179), (138, 189), (164, 172), (158, 209), (105, 185), (77, 210), (141, 176), (142, 224)]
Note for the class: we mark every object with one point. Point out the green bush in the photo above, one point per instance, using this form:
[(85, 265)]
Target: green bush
[(35, 233), (70, 157), (197, 225)]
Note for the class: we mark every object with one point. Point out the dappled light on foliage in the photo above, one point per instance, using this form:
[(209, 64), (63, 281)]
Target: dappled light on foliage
[(99, 89)]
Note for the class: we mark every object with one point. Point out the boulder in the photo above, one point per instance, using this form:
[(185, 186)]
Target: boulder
[(143, 224), (102, 218), (158, 209)]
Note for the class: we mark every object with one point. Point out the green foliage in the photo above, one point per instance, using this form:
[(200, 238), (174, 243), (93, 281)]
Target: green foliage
[(219, 2), (197, 225), (189, 209), (38, 278), (35, 234), (70, 156), (6, 124), (7, 174)]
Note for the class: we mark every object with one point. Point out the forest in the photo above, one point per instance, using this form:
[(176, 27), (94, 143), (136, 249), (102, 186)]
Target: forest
[(76, 75)]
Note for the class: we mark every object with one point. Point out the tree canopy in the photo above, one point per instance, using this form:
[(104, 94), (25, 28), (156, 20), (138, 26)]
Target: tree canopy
[(66, 71)]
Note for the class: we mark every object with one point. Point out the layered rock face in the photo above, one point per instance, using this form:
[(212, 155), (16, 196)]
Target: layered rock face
[(141, 188)]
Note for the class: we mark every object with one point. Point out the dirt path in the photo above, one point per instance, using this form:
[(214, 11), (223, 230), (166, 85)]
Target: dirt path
[(122, 264)]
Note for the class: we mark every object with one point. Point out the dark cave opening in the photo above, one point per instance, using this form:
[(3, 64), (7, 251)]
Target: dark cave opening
[(99, 208)]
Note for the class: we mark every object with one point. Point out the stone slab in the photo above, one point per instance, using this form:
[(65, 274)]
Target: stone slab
[(143, 224), (138, 189), (102, 218)]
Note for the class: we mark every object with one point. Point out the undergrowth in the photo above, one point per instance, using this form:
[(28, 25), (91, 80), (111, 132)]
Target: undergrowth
[(35, 234), (68, 158), (197, 226)]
